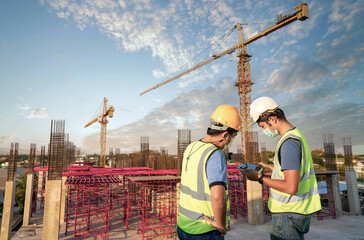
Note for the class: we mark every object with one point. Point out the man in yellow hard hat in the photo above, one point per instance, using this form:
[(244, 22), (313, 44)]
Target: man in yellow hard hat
[(204, 206), (293, 188)]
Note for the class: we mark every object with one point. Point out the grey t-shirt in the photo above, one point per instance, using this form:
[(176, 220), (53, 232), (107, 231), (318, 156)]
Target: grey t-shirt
[(290, 154)]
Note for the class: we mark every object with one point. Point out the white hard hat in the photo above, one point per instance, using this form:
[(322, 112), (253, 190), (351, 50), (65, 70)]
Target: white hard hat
[(261, 105)]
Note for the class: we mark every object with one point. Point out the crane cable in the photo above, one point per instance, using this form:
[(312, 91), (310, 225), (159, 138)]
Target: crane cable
[(226, 35), (97, 111)]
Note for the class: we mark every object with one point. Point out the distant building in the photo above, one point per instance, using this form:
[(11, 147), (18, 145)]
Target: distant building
[(359, 169)]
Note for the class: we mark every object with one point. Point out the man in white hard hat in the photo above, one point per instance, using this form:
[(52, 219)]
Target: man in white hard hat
[(204, 206), (293, 188)]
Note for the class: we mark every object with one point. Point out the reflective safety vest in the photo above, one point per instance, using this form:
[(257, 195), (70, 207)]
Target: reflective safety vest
[(307, 198), (195, 194)]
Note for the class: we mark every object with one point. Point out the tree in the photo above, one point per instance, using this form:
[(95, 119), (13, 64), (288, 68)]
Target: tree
[(317, 157), (20, 192), (270, 154)]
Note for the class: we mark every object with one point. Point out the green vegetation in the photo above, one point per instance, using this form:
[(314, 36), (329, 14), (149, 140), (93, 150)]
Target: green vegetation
[(270, 154), (318, 157), (20, 193)]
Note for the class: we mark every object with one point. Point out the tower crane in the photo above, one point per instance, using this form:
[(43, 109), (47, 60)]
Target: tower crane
[(244, 82), (107, 111)]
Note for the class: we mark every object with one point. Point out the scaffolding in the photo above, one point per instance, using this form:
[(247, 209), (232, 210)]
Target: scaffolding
[(89, 205), (329, 149), (157, 206), (184, 139), (238, 197)]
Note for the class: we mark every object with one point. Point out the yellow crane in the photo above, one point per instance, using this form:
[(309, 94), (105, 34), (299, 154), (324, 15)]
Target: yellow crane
[(107, 111), (244, 82)]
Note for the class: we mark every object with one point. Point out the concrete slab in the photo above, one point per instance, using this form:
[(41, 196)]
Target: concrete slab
[(345, 227)]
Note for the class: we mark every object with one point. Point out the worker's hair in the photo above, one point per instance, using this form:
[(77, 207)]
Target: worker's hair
[(277, 113)]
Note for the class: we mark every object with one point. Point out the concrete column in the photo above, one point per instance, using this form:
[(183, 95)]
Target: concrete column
[(28, 199), (40, 188), (353, 193), (52, 209), (63, 199), (6, 223), (333, 189), (255, 203)]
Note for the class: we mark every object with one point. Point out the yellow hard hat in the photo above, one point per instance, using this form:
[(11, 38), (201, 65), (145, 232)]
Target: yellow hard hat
[(227, 115)]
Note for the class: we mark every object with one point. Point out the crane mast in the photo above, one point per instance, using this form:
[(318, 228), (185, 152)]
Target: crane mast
[(244, 82), (102, 119), (244, 85)]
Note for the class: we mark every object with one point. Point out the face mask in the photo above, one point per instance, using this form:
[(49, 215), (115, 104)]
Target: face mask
[(229, 145), (269, 133)]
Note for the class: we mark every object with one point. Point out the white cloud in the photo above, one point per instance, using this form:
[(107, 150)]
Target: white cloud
[(5, 139), (158, 73), (29, 112), (296, 76), (343, 15), (190, 110), (24, 107), (37, 113)]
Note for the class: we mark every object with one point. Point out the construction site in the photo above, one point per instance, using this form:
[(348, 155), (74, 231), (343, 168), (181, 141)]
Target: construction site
[(116, 195)]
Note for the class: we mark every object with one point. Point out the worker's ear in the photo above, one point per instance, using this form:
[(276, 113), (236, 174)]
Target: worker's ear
[(225, 134), (272, 119)]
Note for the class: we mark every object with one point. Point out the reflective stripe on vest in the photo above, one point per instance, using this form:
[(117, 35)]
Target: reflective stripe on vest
[(195, 195), (307, 199)]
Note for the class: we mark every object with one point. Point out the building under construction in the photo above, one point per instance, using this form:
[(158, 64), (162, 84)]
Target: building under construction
[(135, 195)]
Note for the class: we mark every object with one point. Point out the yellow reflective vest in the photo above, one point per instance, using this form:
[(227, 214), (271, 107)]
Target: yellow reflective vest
[(195, 194), (307, 198)]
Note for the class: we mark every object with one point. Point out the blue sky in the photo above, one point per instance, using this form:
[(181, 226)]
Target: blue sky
[(59, 58)]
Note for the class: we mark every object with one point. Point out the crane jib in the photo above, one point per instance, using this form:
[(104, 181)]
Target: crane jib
[(300, 14)]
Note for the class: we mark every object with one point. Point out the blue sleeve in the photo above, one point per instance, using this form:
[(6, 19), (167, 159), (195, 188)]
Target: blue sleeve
[(216, 169), (291, 154)]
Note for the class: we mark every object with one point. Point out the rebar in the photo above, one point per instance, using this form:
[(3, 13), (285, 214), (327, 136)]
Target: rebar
[(57, 149), (42, 154), (238, 149), (263, 153), (329, 148), (31, 158), (13, 159), (118, 160), (111, 157), (348, 153)]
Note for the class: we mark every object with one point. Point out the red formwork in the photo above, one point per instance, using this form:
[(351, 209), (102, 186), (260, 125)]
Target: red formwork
[(237, 193), (100, 199), (88, 205), (265, 195), (117, 196), (157, 206), (38, 203), (327, 207)]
